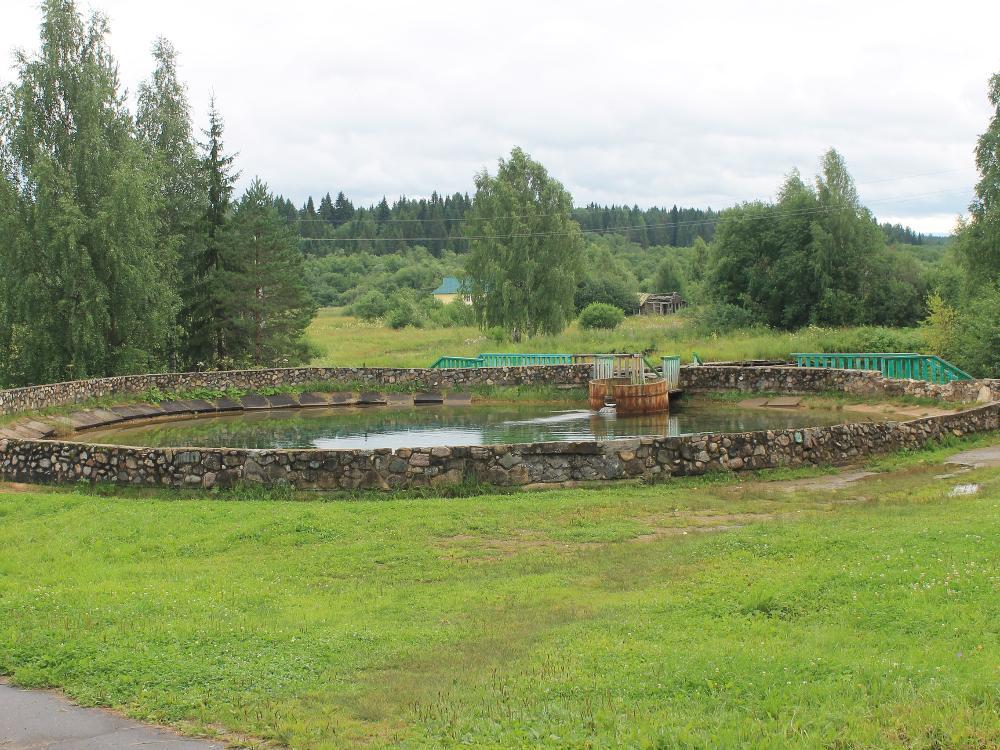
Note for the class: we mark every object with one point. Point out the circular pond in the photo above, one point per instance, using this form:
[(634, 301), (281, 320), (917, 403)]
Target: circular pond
[(430, 426)]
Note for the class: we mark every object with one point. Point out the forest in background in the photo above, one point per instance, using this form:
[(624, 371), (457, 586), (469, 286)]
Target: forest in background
[(125, 250)]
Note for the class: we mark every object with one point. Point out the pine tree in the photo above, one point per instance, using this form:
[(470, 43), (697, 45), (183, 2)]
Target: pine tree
[(85, 279), (264, 302)]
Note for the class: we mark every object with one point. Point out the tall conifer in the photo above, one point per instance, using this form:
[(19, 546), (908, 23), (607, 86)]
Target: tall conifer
[(206, 336)]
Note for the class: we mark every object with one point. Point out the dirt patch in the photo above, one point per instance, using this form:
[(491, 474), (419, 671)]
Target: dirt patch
[(980, 458), (10, 488), (662, 525), (777, 402), (830, 482), (697, 523), (889, 409)]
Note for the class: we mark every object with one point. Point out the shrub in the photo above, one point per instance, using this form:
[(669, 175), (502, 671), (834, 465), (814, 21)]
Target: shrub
[(609, 290), (968, 337), (403, 311), (601, 315), (370, 305), (722, 318), (498, 335), (837, 307), (457, 313), (875, 339)]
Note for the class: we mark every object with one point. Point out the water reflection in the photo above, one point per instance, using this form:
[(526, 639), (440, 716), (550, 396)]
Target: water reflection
[(429, 426)]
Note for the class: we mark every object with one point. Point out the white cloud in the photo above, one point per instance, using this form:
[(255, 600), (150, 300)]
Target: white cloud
[(650, 103)]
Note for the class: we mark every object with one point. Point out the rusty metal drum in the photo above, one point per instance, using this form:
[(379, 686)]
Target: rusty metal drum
[(642, 398)]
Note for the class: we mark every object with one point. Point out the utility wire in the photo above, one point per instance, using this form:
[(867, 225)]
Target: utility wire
[(798, 212), (368, 211)]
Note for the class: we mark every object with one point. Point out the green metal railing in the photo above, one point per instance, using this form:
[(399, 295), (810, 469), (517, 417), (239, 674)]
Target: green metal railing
[(523, 360), (605, 365), (462, 362), (901, 365)]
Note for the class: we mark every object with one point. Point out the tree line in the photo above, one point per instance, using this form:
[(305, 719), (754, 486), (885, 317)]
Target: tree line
[(123, 247), (964, 320)]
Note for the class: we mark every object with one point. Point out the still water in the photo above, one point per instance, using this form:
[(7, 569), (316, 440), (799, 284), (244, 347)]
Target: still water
[(428, 426)]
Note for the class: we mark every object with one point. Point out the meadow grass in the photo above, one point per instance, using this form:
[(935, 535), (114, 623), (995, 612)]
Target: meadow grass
[(341, 340), (863, 617)]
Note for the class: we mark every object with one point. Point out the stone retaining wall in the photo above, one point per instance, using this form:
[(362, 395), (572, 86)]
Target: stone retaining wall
[(802, 380), (536, 463), (650, 458), (79, 391)]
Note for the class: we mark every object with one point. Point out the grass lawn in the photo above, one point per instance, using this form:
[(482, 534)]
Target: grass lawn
[(862, 617), (347, 341)]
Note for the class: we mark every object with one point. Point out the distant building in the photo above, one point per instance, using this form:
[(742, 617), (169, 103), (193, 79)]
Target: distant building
[(451, 288), (660, 304)]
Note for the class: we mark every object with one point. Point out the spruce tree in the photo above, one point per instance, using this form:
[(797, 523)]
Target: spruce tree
[(326, 212), (203, 313), (86, 280), (343, 210), (264, 300)]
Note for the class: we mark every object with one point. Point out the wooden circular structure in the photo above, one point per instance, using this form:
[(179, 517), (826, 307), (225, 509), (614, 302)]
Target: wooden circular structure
[(629, 398)]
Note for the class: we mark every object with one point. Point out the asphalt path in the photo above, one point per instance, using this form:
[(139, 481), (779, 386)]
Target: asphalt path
[(39, 719)]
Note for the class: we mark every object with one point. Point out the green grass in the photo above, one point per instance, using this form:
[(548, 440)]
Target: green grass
[(346, 341), (859, 618)]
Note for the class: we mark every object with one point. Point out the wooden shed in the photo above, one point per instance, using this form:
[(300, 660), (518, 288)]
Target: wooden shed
[(660, 304)]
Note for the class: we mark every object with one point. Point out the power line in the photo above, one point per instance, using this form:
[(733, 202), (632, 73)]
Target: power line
[(371, 209), (705, 222)]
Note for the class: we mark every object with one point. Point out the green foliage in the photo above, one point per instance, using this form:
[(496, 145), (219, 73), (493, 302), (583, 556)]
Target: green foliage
[(940, 326), (525, 257), (205, 277), (405, 311), (968, 337), (341, 277), (668, 278), (455, 313), (600, 315), (497, 335), (264, 307), (878, 339), (979, 238), (371, 305), (965, 322), (816, 256), (609, 290), (722, 318), (85, 288)]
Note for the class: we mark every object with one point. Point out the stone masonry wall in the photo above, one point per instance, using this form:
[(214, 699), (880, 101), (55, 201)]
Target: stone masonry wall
[(802, 380), (537, 463), (649, 458), (78, 391)]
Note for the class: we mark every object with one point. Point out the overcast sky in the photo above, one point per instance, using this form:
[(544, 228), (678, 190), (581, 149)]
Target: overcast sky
[(694, 103)]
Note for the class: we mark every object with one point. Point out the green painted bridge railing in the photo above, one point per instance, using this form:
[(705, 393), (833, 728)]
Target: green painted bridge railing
[(466, 362), (605, 365), (504, 360), (523, 360), (903, 365)]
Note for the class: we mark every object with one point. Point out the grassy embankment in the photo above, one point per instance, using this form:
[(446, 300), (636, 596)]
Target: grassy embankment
[(862, 617), (347, 341)]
